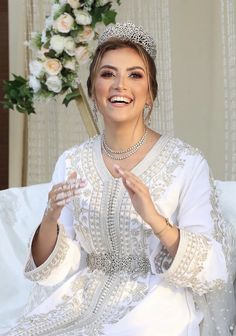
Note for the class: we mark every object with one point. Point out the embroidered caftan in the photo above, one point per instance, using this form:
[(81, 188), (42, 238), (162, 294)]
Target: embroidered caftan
[(108, 273)]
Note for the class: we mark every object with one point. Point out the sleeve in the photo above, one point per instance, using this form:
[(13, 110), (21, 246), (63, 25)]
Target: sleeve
[(66, 255), (199, 263)]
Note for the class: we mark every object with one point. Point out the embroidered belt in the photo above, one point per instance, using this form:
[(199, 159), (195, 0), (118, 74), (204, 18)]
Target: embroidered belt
[(111, 263)]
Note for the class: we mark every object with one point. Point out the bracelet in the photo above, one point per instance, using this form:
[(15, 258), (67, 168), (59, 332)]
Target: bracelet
[(167, 227)]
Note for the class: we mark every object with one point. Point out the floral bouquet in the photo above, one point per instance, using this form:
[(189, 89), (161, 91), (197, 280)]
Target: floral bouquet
[(66, 43)]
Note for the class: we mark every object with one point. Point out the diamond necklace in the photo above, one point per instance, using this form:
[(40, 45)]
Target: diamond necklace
[(127, 152)]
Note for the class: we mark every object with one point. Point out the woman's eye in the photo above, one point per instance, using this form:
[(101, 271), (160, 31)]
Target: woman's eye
[(107, 74), (136, 75)]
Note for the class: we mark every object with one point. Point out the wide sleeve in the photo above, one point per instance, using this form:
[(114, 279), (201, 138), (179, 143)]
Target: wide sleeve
[(199, 263), (66, 255)]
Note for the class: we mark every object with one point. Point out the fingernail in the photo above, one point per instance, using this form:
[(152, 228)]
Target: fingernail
[(68, 200), (60, 196), (61, 203)]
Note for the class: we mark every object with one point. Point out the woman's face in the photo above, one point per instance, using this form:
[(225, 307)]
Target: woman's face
[(121, 86)]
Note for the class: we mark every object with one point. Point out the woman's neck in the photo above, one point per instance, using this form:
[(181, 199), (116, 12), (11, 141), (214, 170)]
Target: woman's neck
[(121, 138)]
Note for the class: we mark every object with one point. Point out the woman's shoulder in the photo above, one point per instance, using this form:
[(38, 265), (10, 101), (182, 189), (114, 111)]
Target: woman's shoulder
[(179, 146), (78, 148)]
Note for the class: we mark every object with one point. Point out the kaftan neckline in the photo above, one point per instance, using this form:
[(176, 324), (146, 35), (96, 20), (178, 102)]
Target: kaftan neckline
[(138, 169)]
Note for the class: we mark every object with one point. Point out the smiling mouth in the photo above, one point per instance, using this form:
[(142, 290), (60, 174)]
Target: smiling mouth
[(120, 100)]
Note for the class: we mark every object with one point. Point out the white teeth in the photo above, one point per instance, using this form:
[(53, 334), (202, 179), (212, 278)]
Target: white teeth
[(120, 99)]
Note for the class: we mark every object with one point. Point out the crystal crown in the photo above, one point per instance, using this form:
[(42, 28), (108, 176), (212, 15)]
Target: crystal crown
[(129, 32)]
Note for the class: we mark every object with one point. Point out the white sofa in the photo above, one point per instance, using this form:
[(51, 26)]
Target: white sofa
[(21, 210)]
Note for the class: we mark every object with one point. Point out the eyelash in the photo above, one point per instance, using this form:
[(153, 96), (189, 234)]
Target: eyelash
[(109, 74), (136, 75)]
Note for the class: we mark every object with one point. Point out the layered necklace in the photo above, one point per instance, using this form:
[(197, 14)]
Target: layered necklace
[(123, 154)]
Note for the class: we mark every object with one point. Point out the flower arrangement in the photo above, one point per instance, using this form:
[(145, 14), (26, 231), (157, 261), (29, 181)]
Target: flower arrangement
[(66, 43)]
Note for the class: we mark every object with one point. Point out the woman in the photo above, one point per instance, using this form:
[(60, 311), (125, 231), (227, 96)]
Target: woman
[(127, 237)]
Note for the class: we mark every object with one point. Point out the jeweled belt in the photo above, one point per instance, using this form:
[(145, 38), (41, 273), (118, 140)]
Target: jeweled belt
[(111, 263)]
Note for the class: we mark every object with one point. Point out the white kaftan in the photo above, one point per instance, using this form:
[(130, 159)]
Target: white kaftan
[(112, 275)]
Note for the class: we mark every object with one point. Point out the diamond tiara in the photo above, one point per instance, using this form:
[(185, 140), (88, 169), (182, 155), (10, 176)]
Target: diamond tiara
[(129, 32)]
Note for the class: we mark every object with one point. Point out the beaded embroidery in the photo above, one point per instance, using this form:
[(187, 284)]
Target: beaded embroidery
[(106, 224)]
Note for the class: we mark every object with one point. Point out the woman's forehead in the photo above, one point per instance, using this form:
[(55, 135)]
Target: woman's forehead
[(127, 57)]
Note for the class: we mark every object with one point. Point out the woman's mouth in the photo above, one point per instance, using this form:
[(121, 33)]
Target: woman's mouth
[(120, 100)]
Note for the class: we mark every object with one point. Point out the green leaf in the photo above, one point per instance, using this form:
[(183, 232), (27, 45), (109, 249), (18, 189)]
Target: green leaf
[(70, 96), (36, 41), (109, 17), (18, 95), (51, 54), (98, 12), (59, 12)]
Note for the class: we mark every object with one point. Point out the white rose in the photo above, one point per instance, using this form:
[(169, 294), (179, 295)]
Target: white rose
[(36, 68), (54, 84), (64, 23), (82, 17), (34, 83), (69, 46), (101, 2), (74, 3), (99, 28), (82, 55), (57, 43), (52, 66), (70, 64), (86, 35)]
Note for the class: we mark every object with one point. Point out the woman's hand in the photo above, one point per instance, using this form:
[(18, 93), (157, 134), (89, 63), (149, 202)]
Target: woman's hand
[(60, 195), (139, 195)]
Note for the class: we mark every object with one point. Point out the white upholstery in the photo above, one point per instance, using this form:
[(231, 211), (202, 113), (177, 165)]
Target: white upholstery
[(21, 210)]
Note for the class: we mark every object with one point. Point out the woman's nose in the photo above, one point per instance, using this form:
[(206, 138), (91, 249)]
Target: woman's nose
[(120, 83)]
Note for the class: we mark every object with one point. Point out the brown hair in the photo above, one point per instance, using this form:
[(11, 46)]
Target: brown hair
[(114, 44)]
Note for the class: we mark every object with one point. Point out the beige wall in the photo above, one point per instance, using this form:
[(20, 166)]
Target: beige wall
[(198, 77)]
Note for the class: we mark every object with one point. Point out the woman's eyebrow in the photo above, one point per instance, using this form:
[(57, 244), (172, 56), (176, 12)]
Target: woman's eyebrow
[(136, 68), (128, 69), (109, 67)]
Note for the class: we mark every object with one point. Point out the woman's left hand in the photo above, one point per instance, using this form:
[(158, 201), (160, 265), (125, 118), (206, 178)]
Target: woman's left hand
[(139, 195)]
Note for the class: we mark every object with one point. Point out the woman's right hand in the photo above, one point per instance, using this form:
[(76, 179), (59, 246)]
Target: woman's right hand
[(60, 195)]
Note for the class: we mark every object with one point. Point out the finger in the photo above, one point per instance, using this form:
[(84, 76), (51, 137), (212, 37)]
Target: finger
[(71, 185), (57, 186), (66, 194), (132, 186), (73, 175), (131, 181), (127, 187), (126, 173)]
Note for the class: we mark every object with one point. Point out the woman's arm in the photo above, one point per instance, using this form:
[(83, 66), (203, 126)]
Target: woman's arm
[(52, 252)]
